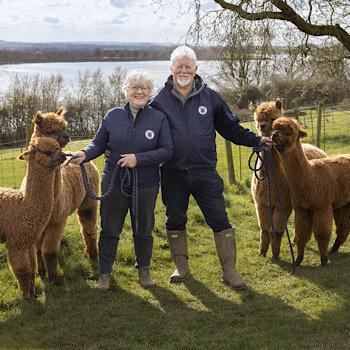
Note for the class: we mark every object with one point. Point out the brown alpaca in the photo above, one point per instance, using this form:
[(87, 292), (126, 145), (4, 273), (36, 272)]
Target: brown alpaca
[(70, 195), (264, 115), (24, 213), (318, 188)]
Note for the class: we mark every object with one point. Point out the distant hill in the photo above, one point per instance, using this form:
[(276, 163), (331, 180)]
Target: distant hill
[(78, 46), (23, 52)]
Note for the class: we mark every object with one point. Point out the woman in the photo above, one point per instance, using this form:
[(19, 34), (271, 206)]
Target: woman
[(138, 137)]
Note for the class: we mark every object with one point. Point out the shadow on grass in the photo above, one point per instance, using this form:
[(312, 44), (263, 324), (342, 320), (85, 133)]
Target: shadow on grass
[(189, 316)]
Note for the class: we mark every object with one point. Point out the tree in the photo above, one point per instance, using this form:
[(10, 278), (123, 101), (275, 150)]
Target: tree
[(312, 17)]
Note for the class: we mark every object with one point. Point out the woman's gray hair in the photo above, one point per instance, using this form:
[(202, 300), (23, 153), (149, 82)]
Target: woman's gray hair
[(183, 51), (138, 76)]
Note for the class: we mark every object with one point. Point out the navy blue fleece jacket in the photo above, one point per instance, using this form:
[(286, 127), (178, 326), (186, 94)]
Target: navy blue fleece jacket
[(148, 136), (194, 123)]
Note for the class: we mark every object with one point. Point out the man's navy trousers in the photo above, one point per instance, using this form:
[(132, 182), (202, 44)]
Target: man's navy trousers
[(205, 185)]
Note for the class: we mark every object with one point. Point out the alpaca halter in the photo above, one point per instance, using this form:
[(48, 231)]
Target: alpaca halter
[(265, 165)]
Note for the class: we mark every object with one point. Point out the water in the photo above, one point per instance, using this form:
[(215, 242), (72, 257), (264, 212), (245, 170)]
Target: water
[(69, 70)]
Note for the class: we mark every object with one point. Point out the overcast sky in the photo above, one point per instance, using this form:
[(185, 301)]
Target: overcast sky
[(93, 20)]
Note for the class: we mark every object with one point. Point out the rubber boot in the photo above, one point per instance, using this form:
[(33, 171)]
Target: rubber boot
[(145, 277), (226, 249), (179, 252), (104, 281)]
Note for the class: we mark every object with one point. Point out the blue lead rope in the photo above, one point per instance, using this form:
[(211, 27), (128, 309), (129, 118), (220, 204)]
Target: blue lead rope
[(265, 165)]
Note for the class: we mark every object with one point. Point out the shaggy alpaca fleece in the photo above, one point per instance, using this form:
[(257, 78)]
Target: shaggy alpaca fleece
[(70, 195), (24, 213), (319, 189), (265, 114)]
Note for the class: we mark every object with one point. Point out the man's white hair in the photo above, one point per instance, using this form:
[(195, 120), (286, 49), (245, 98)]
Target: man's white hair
[(141, 76), (183, 51)]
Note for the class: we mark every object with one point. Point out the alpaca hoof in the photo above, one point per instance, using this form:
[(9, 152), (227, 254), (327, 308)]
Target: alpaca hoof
[(262, 254), (276, 257), (56, 280), (299, 260), (42, 274), (334, 250), (91, 253), (324, 260)]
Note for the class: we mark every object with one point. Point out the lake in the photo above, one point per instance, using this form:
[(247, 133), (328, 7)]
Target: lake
[(69, 70)]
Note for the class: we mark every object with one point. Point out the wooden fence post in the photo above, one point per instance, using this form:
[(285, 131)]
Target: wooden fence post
[(319, 125), (230, 165), (29, 130)]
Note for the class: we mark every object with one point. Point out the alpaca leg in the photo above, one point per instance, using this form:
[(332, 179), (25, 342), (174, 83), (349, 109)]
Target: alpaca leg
[(264, 224), (20, 265), (280, 219), (322, 226), (87, 214), (341, 218), (50, 248), (264, 242), (303, 230), (32, 259), (276, 238), (40, 261)]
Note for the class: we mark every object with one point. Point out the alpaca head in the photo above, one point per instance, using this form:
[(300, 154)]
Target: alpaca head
[(265, 114), (286, 133), (46, 151), (52, 125)]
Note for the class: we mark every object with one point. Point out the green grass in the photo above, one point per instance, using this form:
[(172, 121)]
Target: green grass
[(308, 310)]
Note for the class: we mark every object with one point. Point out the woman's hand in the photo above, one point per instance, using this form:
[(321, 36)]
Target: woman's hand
[(78, 157), (266, 140), (127, 160)]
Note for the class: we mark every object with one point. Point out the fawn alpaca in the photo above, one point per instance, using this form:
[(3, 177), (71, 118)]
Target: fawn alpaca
[(319, 188)]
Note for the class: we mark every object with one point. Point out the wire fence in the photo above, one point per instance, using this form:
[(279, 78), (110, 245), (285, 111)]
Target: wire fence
[(328, 126)]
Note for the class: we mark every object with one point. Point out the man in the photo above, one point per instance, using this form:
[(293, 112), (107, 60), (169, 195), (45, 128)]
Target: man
[(195, 113)]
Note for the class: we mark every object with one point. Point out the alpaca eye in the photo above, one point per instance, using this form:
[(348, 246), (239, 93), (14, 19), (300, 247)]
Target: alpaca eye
[(49, 153)]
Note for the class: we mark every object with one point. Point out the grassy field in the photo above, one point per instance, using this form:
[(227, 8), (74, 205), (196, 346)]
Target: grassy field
[(308, 310)]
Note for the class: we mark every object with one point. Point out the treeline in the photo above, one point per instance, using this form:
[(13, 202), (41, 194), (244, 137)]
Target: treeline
[(86, 102), (96, 54)]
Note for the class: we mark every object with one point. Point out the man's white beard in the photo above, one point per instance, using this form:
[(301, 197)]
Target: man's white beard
[(183, 82)]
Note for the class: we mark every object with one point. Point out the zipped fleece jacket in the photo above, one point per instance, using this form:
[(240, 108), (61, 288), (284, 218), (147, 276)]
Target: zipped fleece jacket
[(194, 123), (148, 136)]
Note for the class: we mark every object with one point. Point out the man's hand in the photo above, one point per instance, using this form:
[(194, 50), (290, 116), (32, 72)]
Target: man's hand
[(127, 160), (266, 140)]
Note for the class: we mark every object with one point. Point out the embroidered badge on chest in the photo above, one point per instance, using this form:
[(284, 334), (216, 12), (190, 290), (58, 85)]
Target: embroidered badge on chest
[(202, 110), (149, 134)]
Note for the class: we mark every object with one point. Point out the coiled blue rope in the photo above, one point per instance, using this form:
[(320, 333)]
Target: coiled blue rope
[(266, 162), (125, 180)]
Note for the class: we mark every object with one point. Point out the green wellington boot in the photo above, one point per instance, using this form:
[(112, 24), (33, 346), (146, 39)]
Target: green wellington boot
[(226, 249), (179, 252)]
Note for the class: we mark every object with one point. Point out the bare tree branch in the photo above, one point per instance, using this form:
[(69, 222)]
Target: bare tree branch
[(287, 13)]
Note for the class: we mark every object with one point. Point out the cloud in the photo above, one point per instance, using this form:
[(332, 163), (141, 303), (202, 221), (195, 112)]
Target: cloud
[(117, 20), (120, 3), (209, 5), (52, 20)]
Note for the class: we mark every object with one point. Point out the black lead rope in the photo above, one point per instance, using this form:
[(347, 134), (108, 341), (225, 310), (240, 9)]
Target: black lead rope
[(264, 164), (125, 175)]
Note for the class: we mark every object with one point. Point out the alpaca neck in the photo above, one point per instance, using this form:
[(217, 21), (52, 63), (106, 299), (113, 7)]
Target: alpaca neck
[(58, 182), (297, 167), (38, 197)]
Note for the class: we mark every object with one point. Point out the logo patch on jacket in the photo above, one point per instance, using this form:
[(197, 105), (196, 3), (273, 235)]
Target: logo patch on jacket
[(202, 110), (149, 134)]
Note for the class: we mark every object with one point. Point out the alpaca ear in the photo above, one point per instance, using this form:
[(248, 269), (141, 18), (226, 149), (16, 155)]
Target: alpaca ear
[(302, 133), (252, 106), (24, 156), (38, 118), (278, 104), (61, 111)]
